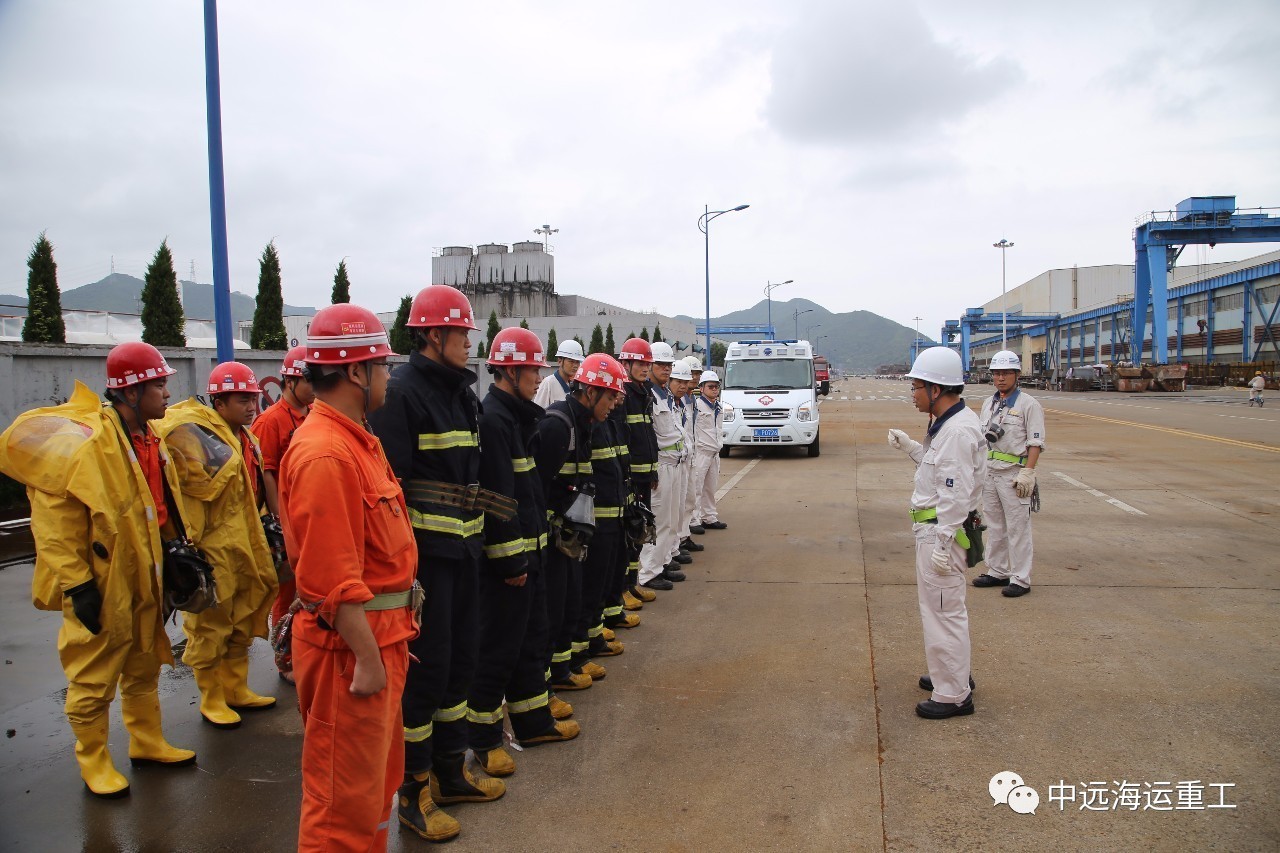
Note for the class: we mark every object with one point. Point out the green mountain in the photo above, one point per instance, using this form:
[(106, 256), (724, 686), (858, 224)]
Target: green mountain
[(855, 341), (122, 294)]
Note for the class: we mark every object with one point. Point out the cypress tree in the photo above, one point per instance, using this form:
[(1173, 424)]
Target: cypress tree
[(585, 351), (268, 317), (657, 334), (163, 324), (341, 285), (553, 343), (400, 341), (608, 340), (481, 352), (631, 335), (597, 340), (524, 324), (644, 333), (494, 328), (44, 302)]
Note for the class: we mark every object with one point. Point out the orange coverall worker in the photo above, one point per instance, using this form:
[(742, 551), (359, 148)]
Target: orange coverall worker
[(275, 428), (348, 530)]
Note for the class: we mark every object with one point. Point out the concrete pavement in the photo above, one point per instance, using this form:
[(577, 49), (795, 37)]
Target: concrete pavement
[(767, 702)]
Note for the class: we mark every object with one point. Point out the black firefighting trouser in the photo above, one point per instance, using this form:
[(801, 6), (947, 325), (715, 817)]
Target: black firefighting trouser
[(435, 692), (644, 494), (601, 562), (513, 644), (564, 592)]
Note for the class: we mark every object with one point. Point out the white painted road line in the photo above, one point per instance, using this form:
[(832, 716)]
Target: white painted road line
[(733, 481), (1097, 494)]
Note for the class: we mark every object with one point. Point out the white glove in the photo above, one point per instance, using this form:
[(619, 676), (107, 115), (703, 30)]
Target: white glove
[(899, 440), (941, 560), (1025, 483)]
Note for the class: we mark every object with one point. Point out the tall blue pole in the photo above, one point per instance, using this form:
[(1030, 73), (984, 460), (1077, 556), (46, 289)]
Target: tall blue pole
[(217, 192), (706, 245)]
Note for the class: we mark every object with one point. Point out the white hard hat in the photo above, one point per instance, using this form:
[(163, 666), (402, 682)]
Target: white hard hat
[(708, 376), (939, 365), (680, 370), (1005, 360), (570, 349), (694, 362), (662, 352)]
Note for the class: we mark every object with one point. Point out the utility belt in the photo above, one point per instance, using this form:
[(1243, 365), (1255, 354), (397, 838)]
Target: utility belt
[(1006, 457), (411, 598), (471, 498), (968, 535)]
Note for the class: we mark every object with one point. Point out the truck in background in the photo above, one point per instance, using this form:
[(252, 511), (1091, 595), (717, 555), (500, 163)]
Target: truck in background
[(822, 374), (769, 396)]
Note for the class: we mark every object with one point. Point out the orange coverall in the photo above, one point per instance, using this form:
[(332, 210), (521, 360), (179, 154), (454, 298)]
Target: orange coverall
[(275, 428), (348, 532)]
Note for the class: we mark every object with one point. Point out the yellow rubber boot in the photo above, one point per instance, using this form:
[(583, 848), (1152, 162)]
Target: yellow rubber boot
[(235, 686), (496, 762), (146, 739), (560, 709), (629, 620), (213, 700), (608, 634), (594, 671), (645, 595), (96, 769), (631, 602), (561, 731), (452, 782), (419, 812)]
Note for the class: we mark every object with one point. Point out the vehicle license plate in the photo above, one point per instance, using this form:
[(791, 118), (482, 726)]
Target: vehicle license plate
[(766, 433)]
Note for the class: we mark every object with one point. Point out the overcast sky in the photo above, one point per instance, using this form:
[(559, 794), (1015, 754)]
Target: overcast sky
[(883, 147)]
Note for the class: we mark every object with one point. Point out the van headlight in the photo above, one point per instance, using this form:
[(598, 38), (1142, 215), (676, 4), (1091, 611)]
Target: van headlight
[(728, 413), (804, 413)]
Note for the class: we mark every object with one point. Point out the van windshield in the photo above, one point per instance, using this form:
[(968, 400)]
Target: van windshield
[(768, 374)]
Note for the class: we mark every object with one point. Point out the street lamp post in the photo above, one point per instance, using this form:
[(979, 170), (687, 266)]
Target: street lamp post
[(704, 225), (915, 344), (808, 331), (796, 316), (768, 289), (1003, 246)]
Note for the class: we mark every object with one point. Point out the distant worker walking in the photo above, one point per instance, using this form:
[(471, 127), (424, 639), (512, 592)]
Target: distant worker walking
[(948, 483), (555, 387), (1013, 424)]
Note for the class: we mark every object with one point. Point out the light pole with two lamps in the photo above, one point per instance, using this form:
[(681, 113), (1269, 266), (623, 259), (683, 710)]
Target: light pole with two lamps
[(768, 289), (1003, 246), (704, 225), (808, 331), (796, 317)]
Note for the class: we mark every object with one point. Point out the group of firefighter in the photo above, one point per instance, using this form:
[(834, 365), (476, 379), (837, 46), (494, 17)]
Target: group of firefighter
[(427, 566)]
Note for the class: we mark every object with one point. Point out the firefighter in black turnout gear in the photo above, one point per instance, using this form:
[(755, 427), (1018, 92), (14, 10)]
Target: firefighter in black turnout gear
[(637, 358), (429, 427), (513, 598)]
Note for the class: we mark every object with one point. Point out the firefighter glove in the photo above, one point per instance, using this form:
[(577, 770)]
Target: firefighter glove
[(1025, 483), (86, 601)]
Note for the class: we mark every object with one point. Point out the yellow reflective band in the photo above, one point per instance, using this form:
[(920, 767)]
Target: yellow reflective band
[(542, 540), (524, 706), (604, 453), (1006, 457), (639, 419), (580, 647), (560, 657), (506, 549), (642, 467), (613, 611), (450, 715), (575, 468), (522, 465), (417, 734), (679, 445), (445, 524), (484, 718), (445, 440), (929, 513), (634, 564), (608, 512), (596, 631)]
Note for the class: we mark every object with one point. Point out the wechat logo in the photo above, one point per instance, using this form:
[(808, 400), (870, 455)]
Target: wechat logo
[(1008, 789)]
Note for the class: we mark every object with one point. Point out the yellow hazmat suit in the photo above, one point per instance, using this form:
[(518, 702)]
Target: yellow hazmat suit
[(93, 519), (222, 520)]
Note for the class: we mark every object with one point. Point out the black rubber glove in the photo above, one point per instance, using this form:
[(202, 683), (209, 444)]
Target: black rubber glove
[(86, 601)]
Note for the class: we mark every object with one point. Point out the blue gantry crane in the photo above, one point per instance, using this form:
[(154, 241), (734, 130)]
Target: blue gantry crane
[(1158, 241)]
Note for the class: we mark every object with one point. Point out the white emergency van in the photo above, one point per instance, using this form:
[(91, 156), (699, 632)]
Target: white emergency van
[(768, 395)]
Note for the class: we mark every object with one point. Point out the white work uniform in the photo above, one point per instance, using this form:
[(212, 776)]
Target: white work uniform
[(684, 407), (707, 441), (950, 466), (668, 497), (1256, 384), (1008, 517), (553, 389)]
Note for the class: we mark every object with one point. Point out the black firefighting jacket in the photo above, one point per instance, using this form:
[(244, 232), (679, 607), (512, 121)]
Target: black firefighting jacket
[(508, 434), (641, 440), (561, 470), (429, 427), (607, 473)]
